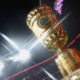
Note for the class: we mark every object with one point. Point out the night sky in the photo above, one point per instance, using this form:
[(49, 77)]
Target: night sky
[(13, 24)]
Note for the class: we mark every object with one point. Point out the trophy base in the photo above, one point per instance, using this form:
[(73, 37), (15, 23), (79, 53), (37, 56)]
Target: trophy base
[(68, 61), (73, 76)]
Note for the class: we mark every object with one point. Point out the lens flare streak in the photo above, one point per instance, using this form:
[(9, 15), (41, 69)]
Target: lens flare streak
[(50, 75), (10, 41)]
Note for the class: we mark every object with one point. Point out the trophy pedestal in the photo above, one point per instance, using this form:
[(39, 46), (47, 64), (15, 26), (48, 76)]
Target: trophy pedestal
[(73, 76), (68, 61)]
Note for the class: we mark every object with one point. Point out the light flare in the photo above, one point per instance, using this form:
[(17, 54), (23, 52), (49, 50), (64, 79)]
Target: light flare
[(50, 75), (10, 41), (23, 55)]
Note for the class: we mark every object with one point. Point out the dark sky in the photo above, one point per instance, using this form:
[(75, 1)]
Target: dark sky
[(13, 24)]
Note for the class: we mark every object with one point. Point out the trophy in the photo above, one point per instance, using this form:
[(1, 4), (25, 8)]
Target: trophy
[(44, 24)]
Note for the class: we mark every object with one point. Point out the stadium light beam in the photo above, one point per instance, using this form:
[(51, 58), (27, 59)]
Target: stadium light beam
[(6, 47), (10, 41), (50, 75)]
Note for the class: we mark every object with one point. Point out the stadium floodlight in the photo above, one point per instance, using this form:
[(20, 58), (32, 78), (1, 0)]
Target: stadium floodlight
[(1, 66), (23, 55)]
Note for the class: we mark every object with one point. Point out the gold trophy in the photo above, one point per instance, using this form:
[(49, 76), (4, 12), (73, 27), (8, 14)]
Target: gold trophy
[(42, 21)]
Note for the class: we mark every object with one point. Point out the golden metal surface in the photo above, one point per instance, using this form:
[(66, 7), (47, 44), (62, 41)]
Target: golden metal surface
[(68, 61), (54, 38)]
